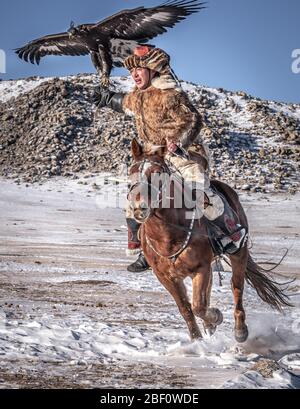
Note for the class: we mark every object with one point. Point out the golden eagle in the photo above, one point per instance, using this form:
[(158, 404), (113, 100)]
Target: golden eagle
[(111, 40)]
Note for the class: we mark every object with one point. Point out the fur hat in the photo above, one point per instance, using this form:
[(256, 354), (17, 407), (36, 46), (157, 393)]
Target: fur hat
[(153, 58)]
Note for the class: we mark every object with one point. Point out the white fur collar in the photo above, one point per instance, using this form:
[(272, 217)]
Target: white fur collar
[(165, 81)]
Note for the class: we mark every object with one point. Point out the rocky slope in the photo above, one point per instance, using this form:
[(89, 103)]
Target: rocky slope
[(48, 127)]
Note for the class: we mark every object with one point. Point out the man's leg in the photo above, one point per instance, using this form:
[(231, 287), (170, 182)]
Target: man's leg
[(233, 235), (134, 244)]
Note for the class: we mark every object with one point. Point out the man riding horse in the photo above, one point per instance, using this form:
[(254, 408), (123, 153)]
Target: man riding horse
[(164, 115)]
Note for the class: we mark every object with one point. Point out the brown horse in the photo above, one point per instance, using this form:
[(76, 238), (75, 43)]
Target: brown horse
[(177, 248)]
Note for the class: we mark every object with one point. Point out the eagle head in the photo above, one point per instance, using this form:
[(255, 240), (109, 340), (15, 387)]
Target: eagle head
[(73, 31)]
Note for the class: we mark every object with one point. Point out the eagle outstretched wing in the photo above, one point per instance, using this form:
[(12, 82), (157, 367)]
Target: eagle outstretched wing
[(142, 24), (54, 44), (111, 40), (121, 49)]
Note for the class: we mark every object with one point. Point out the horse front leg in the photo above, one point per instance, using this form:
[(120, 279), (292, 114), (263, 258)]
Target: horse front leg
[(177, 289), (212, 317), (239, 263)]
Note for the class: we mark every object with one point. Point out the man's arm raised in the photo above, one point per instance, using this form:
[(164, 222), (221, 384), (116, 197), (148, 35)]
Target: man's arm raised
[(106, 98)]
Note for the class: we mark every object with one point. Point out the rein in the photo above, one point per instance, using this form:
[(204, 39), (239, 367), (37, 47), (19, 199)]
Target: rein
[(174, 256)]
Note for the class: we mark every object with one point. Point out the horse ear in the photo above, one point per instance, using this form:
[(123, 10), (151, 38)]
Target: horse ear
[(136, 149)]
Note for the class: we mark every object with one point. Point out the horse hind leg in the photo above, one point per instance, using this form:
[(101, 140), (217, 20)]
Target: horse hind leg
[(212, 317), (239, 263)]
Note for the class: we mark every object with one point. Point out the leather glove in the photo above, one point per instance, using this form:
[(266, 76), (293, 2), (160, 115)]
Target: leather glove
[(106, 98)]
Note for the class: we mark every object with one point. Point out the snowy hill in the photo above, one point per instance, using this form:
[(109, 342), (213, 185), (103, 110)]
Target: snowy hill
[(49, 127)]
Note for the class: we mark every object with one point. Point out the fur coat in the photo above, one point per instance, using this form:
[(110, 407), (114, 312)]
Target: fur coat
[(163, 111)]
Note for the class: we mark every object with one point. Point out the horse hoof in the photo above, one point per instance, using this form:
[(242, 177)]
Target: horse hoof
[(210, 329), (241, 335), (196, 335), (215, 316)]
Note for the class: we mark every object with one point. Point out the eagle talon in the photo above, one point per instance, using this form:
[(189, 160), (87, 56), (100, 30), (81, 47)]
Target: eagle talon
[(104, 81)]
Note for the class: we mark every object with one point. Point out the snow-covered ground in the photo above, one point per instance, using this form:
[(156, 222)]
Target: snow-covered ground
[(10, 89), (14, 88), (72, 316)]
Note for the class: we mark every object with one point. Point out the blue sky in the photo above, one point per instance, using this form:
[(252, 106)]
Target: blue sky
[(234, 44)]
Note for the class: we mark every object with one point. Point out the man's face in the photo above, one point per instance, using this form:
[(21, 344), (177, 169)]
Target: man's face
[(142, 77)]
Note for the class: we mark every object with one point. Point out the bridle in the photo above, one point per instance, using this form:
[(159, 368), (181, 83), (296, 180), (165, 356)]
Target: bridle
[(156, 202), (143, 182)]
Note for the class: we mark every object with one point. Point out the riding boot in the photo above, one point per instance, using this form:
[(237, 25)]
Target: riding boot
[(134, 244), (139, 265), (233, 236), (134, 247)]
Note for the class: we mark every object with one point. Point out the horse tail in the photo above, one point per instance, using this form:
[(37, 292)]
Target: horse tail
[(269, 290)]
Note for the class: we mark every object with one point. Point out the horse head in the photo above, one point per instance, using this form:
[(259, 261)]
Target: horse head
[(148, 175)]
